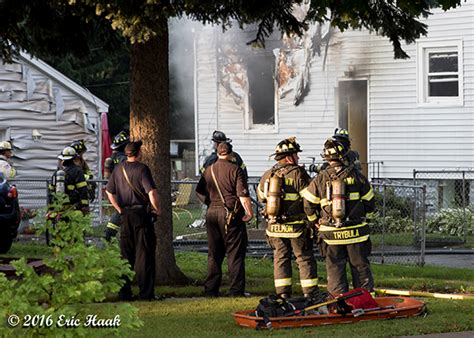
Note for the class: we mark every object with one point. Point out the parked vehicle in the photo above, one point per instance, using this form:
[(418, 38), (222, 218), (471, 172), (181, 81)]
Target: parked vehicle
[(9, 214)]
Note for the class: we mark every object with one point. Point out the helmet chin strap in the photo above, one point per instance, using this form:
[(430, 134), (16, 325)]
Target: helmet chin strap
[(291, 159)]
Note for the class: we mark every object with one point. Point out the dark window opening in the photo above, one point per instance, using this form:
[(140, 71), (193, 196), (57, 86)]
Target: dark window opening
[(443, 78), (260, 70)]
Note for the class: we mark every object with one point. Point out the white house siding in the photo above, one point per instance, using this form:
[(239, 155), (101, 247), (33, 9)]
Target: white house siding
[(402, 134), (205, 91), (28, 92)]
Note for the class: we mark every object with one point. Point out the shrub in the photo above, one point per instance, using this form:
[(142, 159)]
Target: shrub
[(393, 224), (450, 222), (80, 276)]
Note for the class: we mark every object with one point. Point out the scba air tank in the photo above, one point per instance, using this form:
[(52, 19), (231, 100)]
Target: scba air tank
[(60, 174), (273, 193), (338, 201)]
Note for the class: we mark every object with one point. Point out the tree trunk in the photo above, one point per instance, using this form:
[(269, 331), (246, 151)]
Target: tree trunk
[(150, 122)]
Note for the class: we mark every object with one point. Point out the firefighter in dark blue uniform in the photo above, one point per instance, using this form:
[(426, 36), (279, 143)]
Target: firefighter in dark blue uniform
[(339, 198), (118, 156), (287, 231), (75, 185), (219, 137), (80, 148)]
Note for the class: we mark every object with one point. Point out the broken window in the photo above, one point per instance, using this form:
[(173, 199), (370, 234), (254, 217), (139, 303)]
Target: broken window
[(247, 75), (260, 70)]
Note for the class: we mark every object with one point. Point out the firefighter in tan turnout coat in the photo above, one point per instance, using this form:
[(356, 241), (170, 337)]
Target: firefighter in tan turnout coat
[(281, 189), (339, 198)]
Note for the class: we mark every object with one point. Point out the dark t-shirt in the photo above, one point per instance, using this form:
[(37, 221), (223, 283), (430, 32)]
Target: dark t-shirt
[(140, 177), (232, 183)]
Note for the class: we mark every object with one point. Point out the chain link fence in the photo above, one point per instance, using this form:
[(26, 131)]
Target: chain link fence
[(434, 211), (449, 206), (398, 226)]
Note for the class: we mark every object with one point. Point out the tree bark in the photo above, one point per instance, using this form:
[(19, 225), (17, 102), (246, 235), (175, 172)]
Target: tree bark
[(150, 122)]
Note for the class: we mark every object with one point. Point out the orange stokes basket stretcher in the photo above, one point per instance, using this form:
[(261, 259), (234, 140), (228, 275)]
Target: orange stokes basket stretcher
[(395, 307)]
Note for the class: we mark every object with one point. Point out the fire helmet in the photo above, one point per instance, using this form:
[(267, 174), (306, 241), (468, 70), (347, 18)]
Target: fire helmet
[(286, 147), (5, 145), (219, 136), (335, 149), (68, 153), (79, 146), (121, 139), (342, 135)]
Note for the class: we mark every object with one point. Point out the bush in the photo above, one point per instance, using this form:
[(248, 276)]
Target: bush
[(393, 224), (450, 222), (80, 276), (396, 206)]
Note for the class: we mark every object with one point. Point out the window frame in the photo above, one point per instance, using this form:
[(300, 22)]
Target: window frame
[(423, 50), (257, 128)]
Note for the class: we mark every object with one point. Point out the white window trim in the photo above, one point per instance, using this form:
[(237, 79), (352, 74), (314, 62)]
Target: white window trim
[(441, 45), (251, 128)]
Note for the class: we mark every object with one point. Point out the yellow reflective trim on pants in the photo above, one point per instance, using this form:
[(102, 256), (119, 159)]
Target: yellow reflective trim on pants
[(354, 196), (369, 195), (282, 282), (309, 196), (291, 197), (328, 228), (283, 234), (81, 184), (306, 283), (312, 217), (113, 226), (346, 241), (70, 187)]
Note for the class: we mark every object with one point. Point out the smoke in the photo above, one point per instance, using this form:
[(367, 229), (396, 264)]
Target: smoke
[(181, 65)]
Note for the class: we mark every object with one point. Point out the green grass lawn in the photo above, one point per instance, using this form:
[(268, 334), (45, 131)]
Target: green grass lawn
[(185, 314)]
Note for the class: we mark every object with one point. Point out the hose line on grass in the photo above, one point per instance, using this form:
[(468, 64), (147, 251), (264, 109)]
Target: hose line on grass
[(419, 293), (423, 294)]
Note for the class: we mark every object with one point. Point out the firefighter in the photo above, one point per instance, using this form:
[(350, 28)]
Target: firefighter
[(118, 156), (6, 165), (219, 137), (342, 135), (339, 198), (80, 148), (118, 153), (223, 188), (280, 188), (75, 185)]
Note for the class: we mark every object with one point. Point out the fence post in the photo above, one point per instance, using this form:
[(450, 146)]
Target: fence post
[(423, 227), (464, 205), (383, 224)]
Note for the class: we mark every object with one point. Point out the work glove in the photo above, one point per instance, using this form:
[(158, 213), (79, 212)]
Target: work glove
[(109, 234)]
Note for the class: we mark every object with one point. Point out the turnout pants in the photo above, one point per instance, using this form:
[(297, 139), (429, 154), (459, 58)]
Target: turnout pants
[(302, 247), (231, 240), (357, 256), (137, 245)]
